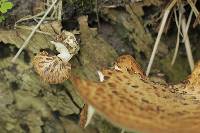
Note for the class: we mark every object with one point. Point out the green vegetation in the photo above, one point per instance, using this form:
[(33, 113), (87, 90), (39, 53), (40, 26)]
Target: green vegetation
[(5, 5)]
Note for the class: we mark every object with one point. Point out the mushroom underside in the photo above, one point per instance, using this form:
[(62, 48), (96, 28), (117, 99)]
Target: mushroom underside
[(130, 101)]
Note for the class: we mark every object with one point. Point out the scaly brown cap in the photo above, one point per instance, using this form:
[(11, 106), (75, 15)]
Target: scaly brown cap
[(138, 104), (51, 68)]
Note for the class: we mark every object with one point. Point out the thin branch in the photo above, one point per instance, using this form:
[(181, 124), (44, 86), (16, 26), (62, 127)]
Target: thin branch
[(60, 11), (178, 20), (196, 12), (190, 18), (187, 44), (178, 23), (53, 14), (29, 17), (33, 31), (166, 14)]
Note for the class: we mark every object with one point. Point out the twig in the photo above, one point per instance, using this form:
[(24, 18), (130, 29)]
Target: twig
[(178, 20), (166, 14), (185, 39), (178, 23), (54, 8), (53, 14), (60, 11), (196, 12), (187, 44), (47, 18), (190, 18), (29, 17), (33, 31), (47, 2)]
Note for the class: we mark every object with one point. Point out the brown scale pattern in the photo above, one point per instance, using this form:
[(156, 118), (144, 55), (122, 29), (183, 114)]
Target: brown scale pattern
[(51, 68), (130, 100)]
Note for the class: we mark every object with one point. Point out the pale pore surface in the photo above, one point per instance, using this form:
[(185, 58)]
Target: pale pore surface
[(131, 101)]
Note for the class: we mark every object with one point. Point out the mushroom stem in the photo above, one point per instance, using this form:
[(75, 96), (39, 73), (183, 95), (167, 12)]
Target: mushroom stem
[(64, 52)]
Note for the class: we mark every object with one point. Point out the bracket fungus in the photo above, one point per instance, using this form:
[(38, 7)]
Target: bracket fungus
[(55, 69), (131, 101)]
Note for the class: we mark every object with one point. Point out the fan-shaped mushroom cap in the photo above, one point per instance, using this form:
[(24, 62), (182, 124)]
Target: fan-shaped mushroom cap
[(51, 68), (135, 103)]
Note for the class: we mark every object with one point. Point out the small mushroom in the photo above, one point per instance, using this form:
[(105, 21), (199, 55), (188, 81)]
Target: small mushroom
[(51, 68), (69, 41), (55, 69)]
